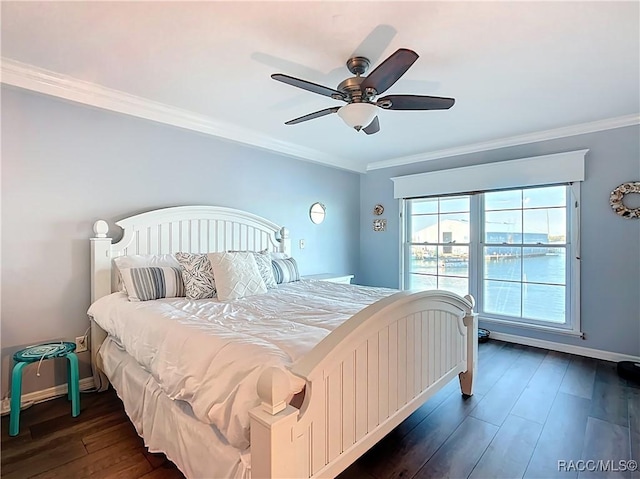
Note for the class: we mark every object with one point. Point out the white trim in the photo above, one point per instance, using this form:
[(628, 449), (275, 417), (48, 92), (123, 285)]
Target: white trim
[(36, 397), (533, 326), (534, 171), (30, 77), (565, 348), (545, 135), (37, 79)]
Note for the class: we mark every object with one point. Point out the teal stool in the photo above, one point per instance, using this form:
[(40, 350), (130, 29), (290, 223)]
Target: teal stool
[(39, 353)]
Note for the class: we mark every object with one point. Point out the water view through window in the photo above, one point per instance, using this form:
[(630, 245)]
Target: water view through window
[(521, 261)]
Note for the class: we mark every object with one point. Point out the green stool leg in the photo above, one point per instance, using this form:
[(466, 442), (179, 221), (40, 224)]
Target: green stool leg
[(69, 396), (16, 396), (74, 384)]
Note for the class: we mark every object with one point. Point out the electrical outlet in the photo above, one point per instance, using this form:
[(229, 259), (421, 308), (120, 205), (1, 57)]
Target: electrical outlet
[(81, 344)]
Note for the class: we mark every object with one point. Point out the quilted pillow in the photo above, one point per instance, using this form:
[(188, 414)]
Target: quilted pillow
[(197, 275), (263, 261), (144, 284), (285, 270), (236, 275)]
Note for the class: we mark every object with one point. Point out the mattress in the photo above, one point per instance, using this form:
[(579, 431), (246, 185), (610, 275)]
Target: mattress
[(209, 354)]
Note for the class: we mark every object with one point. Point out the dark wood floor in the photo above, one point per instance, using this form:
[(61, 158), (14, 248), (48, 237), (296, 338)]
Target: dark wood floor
[(531, 408)]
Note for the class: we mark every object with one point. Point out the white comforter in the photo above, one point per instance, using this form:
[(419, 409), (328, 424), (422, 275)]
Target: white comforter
[(211, 353)]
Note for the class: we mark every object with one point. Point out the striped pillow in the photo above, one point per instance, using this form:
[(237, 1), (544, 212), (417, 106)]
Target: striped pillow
[(285, 270), (144, 284)]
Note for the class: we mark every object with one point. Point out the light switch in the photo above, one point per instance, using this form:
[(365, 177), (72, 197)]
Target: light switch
[(302, 244)]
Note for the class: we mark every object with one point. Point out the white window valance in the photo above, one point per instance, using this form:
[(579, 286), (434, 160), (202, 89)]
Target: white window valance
[(535, 171)]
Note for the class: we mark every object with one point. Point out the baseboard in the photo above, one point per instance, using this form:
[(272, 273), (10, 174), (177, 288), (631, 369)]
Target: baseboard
[(565, 348), (36, 397)]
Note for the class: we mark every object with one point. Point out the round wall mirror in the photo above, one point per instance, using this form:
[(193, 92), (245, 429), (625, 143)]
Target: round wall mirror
[(317, 213)]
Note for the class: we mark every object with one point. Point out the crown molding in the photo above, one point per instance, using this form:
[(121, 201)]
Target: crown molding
[(582, 128), (30, 77)]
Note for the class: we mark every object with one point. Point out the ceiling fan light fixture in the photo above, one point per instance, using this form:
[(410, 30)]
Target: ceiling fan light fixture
[(358, 115)]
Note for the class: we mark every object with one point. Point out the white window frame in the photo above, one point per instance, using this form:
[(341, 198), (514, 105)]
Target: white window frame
[(572, 324)]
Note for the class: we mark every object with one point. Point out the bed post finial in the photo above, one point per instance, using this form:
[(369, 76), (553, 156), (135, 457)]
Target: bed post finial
[(272, 428), (101, 228), (273, 390)]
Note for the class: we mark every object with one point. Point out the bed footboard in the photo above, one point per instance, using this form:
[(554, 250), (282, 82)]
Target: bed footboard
[(363, 380)]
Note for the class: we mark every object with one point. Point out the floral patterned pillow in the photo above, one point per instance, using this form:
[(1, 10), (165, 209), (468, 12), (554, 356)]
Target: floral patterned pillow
[(197, 275)]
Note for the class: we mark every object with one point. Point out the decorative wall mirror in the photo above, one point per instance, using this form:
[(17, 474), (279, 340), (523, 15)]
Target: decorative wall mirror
[(317, 212)]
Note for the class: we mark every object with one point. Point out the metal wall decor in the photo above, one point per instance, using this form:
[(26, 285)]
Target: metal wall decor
[(379, 225), (616, 200), (317, 212), (378, 210)]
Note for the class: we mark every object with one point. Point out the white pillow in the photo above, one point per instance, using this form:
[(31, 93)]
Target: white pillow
[(141, 261), (263, 261), (236, 275)]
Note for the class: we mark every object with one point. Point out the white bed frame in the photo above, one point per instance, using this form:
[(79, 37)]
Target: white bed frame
[(362, 380)]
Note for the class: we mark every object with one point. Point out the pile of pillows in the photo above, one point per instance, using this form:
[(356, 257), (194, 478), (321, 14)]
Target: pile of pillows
[(228, 275)]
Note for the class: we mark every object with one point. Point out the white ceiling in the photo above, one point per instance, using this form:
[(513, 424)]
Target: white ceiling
[(514, 68)]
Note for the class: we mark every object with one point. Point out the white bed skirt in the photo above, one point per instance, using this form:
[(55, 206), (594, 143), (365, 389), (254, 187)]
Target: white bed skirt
[(167, 426)]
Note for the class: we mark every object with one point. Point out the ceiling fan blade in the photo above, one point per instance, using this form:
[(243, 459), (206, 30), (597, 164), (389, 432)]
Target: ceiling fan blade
[(374, 126), (415, 102), (311, 116), (306, 85), (389, 71)]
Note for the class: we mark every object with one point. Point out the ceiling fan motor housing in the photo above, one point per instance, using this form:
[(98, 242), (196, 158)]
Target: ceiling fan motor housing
[(358, 65)]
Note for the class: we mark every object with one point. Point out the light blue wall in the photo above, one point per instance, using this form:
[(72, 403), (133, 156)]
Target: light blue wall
[(610, 267), (65, 166)]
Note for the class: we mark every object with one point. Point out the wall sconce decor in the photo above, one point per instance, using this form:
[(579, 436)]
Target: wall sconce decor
[(379, 225), (317, 212)]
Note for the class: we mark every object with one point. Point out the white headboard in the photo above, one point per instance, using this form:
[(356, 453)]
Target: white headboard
[(192, 229)]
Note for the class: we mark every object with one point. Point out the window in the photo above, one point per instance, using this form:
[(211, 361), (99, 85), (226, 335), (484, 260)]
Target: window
[(510, 249), (439, 242)]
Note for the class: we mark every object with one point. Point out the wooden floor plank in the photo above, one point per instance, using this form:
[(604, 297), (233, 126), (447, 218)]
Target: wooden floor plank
[(93, 465), (535, 401), (132, 467), (58, 455), (510, 450), (497, 403), (561, 437), (491, 370), (459, 454), (173, 473), (107, 437), (579, 377), (610, 402), (604, 441), (355, 471)]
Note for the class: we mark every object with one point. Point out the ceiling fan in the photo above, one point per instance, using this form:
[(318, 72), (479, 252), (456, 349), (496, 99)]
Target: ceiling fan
[(359, 92)]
